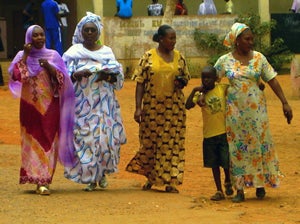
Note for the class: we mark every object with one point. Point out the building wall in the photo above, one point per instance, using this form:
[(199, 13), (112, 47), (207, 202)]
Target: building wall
[(11, 12), (241, 6)]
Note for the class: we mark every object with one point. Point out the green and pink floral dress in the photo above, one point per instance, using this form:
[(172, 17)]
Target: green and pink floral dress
[(251, 148)]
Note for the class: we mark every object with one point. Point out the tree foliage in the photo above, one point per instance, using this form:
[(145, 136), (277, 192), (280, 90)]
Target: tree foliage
[(277, 52)]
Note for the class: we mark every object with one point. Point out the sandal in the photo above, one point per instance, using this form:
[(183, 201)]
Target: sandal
[(43, 190), (260, 192), (147, 186), (239, 197), (171, 189), (218, 196), (228, 189), (90, 187), (103, 182)]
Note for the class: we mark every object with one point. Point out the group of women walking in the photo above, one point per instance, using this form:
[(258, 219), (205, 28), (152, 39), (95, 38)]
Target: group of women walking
[(69, 111)]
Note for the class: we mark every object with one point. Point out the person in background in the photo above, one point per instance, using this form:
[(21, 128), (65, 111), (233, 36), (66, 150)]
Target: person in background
[(229, 7), (28, 17), (161, 75), (155, 9), (253, 158), (124, 9), (52, 23), (207, 7), (39, 77), (99, 131), (215, 146), (180, 8), (63, 12), (295, 6)]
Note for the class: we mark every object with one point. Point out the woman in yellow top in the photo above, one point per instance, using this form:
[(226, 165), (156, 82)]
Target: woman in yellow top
[(160, 111)]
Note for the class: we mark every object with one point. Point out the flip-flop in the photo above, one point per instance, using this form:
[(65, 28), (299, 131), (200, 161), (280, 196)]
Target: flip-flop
[(43, 190)]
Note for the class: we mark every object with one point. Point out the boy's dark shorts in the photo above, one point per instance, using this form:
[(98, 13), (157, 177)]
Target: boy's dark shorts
[(216, 152)]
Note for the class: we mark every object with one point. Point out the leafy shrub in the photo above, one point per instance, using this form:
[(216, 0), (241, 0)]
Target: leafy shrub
[(277, 52)]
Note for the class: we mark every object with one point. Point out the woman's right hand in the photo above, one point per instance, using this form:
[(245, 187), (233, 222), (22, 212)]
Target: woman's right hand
[(287, 111), (27, 48), (80, 74), (138, 115)]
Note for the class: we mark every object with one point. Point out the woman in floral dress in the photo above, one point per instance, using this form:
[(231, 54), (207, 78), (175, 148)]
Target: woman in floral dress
[(253, 158)]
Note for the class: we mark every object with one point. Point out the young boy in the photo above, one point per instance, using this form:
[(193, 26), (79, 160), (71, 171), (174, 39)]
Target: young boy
[(211, 98)]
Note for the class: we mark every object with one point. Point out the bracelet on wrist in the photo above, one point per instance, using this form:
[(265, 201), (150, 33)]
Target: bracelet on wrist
[(73, 76)]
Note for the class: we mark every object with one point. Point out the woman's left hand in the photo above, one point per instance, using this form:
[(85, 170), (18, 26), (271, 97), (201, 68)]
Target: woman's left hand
[(180, 82), (287, 111), (107, 76), (44, 63)]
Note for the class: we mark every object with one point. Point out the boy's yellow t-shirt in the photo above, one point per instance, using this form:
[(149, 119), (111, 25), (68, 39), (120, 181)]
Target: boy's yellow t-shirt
[(213, 112)]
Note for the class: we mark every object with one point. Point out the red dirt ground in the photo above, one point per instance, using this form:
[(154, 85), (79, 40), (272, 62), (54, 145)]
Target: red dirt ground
[(124, 202)]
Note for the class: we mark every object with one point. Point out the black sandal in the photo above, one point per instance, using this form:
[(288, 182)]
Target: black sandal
[(260, 192), (218, 196), (171, 189), (228, 189), (147, 186), (239, 197)]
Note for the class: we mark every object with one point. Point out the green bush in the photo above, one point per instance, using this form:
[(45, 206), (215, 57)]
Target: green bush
[(277, 52)]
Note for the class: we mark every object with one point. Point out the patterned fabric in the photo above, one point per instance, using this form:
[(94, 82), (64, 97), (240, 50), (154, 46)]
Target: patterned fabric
[(162, 130), (251, 148), (229, 7), (46, 127), (236, 30), (214, 111), (39, 135), (155, 9), (99, 131)]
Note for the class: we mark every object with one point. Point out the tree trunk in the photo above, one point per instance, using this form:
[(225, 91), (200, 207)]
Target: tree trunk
[(169, 12)]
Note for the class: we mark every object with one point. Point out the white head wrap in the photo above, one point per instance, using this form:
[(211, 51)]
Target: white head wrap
[(89, 18)]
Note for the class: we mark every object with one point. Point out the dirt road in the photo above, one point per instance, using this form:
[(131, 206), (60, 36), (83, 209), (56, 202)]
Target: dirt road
[(124, 202)]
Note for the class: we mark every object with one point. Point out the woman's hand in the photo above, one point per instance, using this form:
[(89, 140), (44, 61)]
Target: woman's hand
[(180, 82), (287, 111), (27, 48), (138, 115), (107, 75), (45, 64), (102, 75), (85, 73)]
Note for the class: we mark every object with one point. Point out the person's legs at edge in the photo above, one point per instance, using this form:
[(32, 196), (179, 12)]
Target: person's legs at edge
[(219, 195), (227, 183)]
